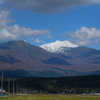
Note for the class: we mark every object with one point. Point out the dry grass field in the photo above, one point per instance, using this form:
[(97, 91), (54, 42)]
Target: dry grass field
[(52, 97)]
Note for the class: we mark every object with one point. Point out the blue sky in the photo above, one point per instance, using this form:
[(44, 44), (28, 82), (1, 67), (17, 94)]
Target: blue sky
[(45, 21)]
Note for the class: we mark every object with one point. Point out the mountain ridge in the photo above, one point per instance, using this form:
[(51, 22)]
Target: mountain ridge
[(22, 58)]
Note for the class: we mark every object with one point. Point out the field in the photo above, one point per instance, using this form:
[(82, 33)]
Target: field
[(52, 97)]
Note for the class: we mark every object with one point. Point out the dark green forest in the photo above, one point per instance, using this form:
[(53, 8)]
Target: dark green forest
[(75, 84)]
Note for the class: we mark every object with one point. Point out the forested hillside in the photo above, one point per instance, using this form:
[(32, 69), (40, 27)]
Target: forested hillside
[(55, 85)]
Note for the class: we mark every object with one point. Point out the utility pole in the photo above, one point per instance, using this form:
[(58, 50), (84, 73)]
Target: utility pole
[(2, 81), (29, 90), (9, 85), (16, 88), (13, 87)]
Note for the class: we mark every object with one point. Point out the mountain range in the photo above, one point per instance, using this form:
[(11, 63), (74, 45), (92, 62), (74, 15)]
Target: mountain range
[(19, 58)]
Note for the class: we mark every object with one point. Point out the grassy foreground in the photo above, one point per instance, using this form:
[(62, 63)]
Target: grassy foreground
[(52, 97)]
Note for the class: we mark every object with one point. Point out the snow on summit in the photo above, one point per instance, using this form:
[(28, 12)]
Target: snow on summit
[(57, 46)]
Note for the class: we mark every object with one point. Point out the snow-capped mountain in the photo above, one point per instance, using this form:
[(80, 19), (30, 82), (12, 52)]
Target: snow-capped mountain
[(19, 58), (58, 46)]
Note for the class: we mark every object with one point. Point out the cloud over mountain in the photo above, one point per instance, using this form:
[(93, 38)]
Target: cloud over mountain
[(85, 36), (47, 5), (15, 31)]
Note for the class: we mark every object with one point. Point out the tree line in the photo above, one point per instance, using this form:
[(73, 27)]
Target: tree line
[(77, 84)]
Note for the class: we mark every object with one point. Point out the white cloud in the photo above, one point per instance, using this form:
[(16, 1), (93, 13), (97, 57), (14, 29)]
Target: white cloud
[(4, 14), (15, 31), (48, 5), (85, 36), (39, 41)]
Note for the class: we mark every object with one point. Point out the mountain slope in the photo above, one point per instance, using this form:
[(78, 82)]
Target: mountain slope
[(83, 59), (19, 58)]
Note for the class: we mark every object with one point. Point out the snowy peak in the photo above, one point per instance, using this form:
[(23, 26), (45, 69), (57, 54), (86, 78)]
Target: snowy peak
[(58, 46)]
